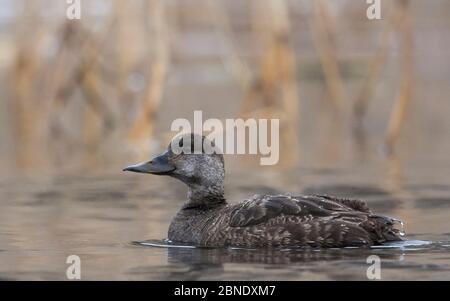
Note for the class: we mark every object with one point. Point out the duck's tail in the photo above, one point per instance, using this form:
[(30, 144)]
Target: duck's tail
[(383, 229)]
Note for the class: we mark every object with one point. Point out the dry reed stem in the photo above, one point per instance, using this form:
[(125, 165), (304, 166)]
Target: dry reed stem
[(28, 124), (24, 109), (85, 48), (375, 66), (57, 81), (231, 60), (274, 91), (94, 113), (130, 30), (407, 78), (142, 129), (120, 8), (321, 30)]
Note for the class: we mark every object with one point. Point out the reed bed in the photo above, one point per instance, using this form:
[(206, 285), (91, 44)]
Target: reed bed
[(109, 79)]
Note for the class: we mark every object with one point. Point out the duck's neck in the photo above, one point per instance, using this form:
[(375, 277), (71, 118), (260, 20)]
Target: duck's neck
[(205, 196)]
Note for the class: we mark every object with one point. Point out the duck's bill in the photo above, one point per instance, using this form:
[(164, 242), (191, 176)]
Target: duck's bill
[(158, 166)]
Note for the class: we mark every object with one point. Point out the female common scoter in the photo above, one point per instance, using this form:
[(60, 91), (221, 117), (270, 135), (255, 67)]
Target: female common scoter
[(207, 220)]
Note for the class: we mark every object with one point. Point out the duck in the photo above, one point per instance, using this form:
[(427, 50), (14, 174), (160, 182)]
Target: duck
[(206, 219)]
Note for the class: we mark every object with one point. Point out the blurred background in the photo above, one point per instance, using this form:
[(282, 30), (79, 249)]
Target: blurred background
[(110, 84), (363, 104)]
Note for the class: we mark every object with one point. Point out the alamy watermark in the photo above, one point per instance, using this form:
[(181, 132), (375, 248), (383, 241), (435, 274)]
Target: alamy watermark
[(73, 11), (73, 271), (374, 270), (230, 137), (374, 10)]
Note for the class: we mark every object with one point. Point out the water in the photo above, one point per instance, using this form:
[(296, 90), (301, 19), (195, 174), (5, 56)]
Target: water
[(100, 217)]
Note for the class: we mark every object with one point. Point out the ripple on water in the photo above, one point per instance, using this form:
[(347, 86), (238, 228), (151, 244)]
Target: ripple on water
[(162, 244), (406, 245), (412, 245)]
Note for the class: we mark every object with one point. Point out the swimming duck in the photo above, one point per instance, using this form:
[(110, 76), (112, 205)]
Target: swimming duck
[(262, 221)]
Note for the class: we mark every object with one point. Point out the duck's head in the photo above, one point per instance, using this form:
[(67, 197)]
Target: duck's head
[(190, 159)]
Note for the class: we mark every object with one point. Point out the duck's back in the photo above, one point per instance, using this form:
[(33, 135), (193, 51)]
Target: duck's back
[(296, 221)]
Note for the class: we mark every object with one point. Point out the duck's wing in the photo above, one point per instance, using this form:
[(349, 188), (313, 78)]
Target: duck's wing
[(260, 209), (354, 204), (315, 220)]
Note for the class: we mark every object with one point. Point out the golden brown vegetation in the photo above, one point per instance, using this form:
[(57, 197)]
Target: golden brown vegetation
[(97, 64)]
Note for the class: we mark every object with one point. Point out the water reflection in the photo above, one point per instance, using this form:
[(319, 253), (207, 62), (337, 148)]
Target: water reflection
[(267, 256), (202, 263), (44, 220)]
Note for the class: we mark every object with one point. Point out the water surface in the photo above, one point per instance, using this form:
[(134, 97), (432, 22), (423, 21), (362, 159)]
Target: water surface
[(98, 217)]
